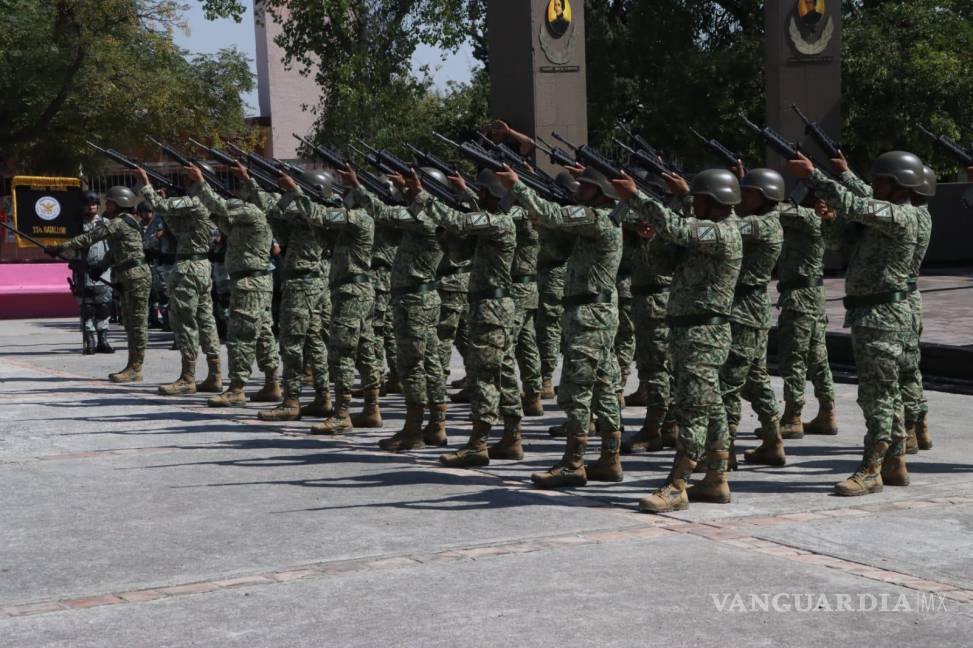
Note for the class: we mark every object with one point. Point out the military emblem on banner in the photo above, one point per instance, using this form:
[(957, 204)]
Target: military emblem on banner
[(557, 31), (810, 27)]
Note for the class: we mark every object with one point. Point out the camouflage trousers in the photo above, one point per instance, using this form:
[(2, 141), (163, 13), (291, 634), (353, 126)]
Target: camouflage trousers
[(652, 358), (910, 376), (492, 368), (135, 311), (415, 318), (744, 374), (374, 343), (191, 310), (317, 340), (803, 355), (698, 353), (879, 358), (300, 304), (526, 352), (550, 285), (249, 335), (351, 320), (452, 329), (624, 341), (590, 371)]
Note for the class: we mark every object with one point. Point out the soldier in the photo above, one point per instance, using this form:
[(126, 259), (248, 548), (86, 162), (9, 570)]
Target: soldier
[(625, 336), (700, 303), (745, 371), (221, 282), (248, 239), (190, 288), (589, 324), (523, 289), (352, 298), (883, 247), (381, 338), (123, 234), (94, 295), (453, 276)]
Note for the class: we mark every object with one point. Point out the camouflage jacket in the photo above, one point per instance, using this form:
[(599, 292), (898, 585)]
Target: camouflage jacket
[(881, 255), (523, 271), (706, 276), (454, 269), (124, 237), (187, 218), (802, 258), (653, 265), (630, 246), (555, 247), (763, 238)]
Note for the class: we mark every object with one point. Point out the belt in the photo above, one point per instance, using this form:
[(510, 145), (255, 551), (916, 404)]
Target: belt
[(128, 265), (379, 264), (192, 257), (650, 289), (244, 274), (603, 297), (166, 259), (876, 299), (701, 319), (418, 289), (492, 293), (800, 282), (302, 274), (743, 290), (358, 278), (547, 265), (913, 284), (524, 278)]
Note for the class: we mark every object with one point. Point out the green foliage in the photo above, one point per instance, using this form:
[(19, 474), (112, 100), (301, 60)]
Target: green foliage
[(107, 70)]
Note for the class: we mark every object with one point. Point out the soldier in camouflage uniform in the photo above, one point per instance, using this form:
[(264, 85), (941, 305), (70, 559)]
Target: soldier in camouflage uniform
[(625, 336), (248, 237), (590, 373), (700, 304), (883, 243), (382, 336), (523, 275), (221, 282), (190, 288), (352, 300), (94, 295), (123, 233), (160, 252), (453, 275)]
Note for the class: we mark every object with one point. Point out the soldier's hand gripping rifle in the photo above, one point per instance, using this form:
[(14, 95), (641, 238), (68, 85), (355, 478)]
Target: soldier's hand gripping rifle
[(517, 162), (956, 151), (426, 159), (383, 158), (267, 182), (788, 151), (333, 158), (587, 156), (730, 158), (157, 178), (279, 167), (813, 130), (210, 177)]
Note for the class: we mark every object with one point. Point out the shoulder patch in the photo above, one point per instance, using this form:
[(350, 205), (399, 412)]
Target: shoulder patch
[(336, 216), (880, 210), (575, 213), (479, 220), (182, 202), (705, 233), (789, 209), (746, 227)]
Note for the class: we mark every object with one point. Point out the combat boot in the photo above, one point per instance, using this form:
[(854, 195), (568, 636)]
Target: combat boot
[(569, 471), (923, 438), (214, 379), (703, 466), (340, 421), (825, 422), (410, 436), (547, 387), (868, 478), (732, 463), (770, 452), (289, 410), (464, 395), (103, 346), (320, 407), (270, 392), (392, 384), (670, 434), (649, 437), (475, 453), (621, 399), (434, 434), (371, 414), (608, 466), (509, 446), (638, 398), (713, 487), (672, 496), (911, 442), (230, 398), (89, 343), (185, 383), (791, 426), (532, 405), (132, 371), (894, 471)]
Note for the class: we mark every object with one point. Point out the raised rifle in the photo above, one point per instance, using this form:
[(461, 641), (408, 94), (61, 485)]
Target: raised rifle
[(650, 150), (517, 161), (813, 130), (279, 167), (716, 147), (182, 160), (156, 177), (956, 151), (373, 183), (395, 164), (266, 181), (588, 156)]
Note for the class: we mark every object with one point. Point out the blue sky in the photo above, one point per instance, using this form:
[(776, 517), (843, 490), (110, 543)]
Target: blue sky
[(210, 36)]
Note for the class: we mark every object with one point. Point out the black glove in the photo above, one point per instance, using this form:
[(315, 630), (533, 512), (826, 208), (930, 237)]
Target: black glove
[(53, 250)]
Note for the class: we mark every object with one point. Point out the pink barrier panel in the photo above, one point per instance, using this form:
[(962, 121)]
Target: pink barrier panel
[(35, 290)]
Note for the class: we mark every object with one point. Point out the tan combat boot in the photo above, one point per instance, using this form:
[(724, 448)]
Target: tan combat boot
[(185, 383), (670, 434), (371, 414), (547, 387), (230, 398), (509, 446), (868, 478), (713, 487), (791, 426), (649, 437), (770, 452), (569, 472), (703, 466), (270, 392), (638, 398), (825, 422), (532, 405), (923, 438), (608, 466), (911, 441), (289, 410), (132, 371), (672, 496), (320, 407), (894, 471), (475, 453), (410, 436), (340, 421), (434, 434), (214, 380)]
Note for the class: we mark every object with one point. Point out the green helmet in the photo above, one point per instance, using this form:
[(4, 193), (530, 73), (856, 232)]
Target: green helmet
[(902, 167), (600, 180), (719, 184), (320, 179), (928, 186), (489, 181), (122, 196), (394, 191), (567, 181), (766, 181), (435, 173)]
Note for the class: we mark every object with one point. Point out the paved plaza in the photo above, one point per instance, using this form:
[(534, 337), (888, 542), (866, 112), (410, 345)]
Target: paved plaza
[(131, 519)]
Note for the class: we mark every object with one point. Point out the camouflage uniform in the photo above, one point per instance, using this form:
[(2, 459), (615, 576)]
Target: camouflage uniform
[(913, 397), (161, 255), (221, 283), (93, 296), (523, 274), (745, 371), (248, 238), (454, 286), (625, 336), (381, 337), (555, 248)]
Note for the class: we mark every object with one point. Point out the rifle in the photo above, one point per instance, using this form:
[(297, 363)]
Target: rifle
[(717, 148), (279, 167), (643, 158), (72, 263), (514, 159), (373, 183), (588, 156), (386, 159), (650, 150), (956, 151), (830, 147), (269, 183), (128, 163), (182, 160)]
